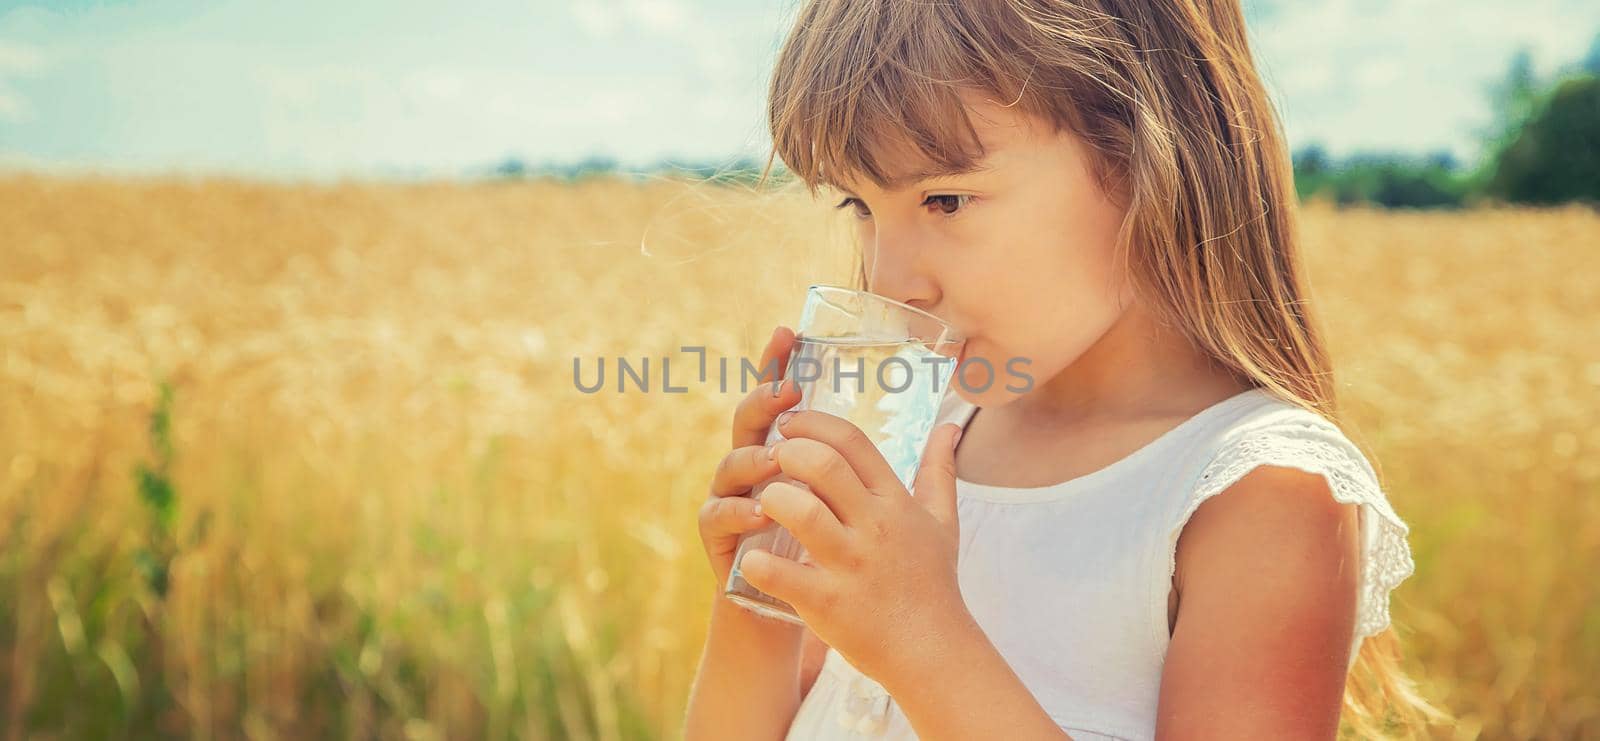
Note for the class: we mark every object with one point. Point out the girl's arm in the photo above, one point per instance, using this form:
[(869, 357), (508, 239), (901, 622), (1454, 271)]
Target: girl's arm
[(748, 683), (726, 714), (1267, 578)]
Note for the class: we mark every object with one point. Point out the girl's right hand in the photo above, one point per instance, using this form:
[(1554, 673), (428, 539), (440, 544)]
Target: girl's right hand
[(728, 513)]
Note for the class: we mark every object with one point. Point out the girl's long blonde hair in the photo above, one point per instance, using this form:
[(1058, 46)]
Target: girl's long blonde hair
[(1167, 97)]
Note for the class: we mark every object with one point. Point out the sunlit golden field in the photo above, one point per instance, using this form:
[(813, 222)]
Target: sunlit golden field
[(289, 461)]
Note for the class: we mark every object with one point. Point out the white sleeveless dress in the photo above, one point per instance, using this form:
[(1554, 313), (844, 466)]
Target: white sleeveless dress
[(1070, 581)]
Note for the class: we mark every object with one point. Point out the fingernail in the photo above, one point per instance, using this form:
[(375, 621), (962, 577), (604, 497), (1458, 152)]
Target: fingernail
[(757, 511), (957, 441), (783, 419), (772, 450), (777, 388)]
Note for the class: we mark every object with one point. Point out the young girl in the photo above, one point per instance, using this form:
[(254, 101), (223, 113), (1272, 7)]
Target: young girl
[(1166, 535)]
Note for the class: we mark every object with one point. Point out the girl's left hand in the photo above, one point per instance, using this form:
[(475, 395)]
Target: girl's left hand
[(880, 582)]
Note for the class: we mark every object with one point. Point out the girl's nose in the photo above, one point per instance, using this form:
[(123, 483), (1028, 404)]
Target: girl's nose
[(894, 269)]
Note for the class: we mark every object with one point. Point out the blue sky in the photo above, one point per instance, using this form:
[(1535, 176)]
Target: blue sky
[(296, 88)]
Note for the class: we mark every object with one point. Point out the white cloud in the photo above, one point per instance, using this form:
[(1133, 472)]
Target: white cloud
[(17, 61), (599, 20), (661, 16), (438, 85), (1376, 73), (603, 19), (715, 61), (13, 109), (18, 58)]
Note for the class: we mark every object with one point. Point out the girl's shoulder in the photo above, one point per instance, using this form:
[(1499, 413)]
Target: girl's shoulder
[(1275, 432), (1272, 431)]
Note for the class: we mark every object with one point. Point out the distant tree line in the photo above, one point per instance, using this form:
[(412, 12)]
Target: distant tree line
[(1543, 148), (744, 170)]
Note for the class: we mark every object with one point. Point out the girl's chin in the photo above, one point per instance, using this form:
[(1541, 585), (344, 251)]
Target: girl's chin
[(994, 396), (986, 378)]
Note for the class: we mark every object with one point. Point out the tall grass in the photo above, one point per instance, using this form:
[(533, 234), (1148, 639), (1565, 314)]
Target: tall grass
[(301, 461)]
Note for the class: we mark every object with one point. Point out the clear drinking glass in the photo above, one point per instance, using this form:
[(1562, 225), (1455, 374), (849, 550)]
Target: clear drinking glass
[(876, 362)]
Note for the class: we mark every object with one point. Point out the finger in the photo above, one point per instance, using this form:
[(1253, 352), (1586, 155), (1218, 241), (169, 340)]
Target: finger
[(807, 518), (755, 413), (843, 436), (826, 473), (729, 516), (742, 469), (799, 584), (753, 417), (778, 346), (935, 485)]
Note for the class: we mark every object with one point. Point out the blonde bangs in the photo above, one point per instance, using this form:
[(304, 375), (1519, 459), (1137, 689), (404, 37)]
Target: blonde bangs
[(872, 90)]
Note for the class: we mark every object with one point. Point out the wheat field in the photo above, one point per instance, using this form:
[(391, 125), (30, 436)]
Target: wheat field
[(308, 460)]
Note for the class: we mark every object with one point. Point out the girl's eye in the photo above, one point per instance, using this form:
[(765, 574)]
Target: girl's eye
[(949, 204), (861, 208)]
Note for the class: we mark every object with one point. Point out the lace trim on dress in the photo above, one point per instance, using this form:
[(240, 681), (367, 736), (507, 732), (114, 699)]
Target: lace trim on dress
[(1319, 447)]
